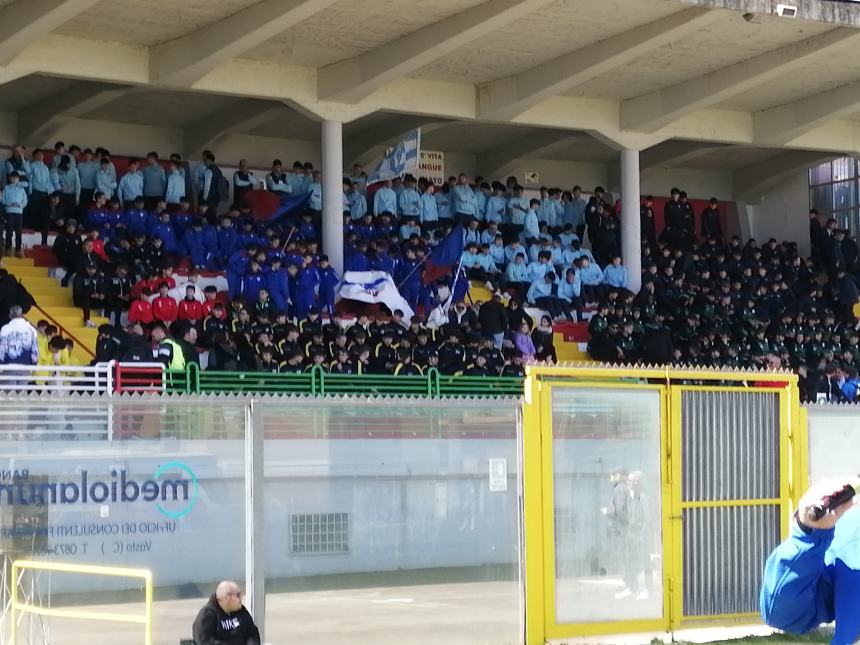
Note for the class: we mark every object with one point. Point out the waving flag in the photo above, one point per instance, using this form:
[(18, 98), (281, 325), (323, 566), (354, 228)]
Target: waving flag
[(443, 258), (399, 159), (268, 206), (374, 287)]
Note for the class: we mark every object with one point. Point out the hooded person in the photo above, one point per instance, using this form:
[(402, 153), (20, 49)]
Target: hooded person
[(224, 620)]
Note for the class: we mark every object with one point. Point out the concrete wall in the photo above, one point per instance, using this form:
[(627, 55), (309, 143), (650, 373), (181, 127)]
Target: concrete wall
[(556, 173), (699, 184), (834, 441), (782, 212), (411, 504)]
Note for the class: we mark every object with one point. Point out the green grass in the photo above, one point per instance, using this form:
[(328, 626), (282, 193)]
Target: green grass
[(782, 639)]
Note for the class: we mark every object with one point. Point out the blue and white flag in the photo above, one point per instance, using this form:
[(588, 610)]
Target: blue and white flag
[(398, 160), (375, 287)]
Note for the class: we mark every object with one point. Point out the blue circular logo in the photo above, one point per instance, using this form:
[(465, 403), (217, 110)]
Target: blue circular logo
[(191, 499)]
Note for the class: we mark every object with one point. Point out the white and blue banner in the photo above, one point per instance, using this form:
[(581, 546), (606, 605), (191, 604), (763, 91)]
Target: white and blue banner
[(398, 160), (375, 287)]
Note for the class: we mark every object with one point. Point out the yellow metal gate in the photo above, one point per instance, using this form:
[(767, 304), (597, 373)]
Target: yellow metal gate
[(652, 496)]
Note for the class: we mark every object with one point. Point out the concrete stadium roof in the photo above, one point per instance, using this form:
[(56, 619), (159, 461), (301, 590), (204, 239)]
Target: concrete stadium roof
[(678, 79)]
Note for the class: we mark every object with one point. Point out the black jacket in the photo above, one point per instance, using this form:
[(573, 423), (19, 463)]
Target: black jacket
[(657, 347), (711, 226), (214, 627), (493, 318), (134, 349)]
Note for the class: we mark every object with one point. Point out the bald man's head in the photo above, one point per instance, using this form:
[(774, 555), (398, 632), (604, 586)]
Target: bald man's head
[(229, 596)]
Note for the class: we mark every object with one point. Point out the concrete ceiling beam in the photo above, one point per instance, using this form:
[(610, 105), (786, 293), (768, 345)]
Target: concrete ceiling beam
[(651, 112), (507, 98), (184, 61), (357, 78)]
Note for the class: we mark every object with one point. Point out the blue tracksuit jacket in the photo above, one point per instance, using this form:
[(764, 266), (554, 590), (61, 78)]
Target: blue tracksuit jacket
[(814, 578)]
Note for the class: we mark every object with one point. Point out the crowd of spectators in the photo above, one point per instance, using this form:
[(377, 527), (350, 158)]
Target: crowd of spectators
[(724, 303), (705, 300), (120, 251)]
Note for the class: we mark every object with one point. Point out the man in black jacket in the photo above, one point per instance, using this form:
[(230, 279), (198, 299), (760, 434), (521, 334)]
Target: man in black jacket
[(711, 225), (493, 319), (224, 621), (67, 248)]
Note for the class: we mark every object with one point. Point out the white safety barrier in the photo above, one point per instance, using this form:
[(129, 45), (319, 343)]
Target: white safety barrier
[(97, 379)]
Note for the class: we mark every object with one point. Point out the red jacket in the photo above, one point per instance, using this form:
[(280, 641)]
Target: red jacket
[(164, 309), (208, 306), (190, 310), (155, 283), (99, 249), (137, 289), (140, 311)]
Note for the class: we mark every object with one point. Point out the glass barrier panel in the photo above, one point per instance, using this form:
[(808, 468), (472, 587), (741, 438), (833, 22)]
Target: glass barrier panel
[(153, 483), (607, 521), (391, 521)]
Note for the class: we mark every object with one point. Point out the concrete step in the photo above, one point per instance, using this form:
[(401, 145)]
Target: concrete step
[(26, 272), (6, 263), (40, 282), (72, 323), (62, 311), (52, 298)]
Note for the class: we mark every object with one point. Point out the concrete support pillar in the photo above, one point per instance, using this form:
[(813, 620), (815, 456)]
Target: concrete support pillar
[(631, 234), (332, 185)]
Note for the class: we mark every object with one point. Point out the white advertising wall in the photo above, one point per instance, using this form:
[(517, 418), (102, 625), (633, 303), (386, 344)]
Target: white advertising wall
[(834, 441)]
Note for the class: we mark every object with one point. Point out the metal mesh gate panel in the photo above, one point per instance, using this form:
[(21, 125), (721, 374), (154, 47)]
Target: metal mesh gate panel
[(730, 444), (724, 551), (730, 497)]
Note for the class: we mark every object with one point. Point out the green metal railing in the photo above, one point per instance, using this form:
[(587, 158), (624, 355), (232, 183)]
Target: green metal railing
[(317, 382)]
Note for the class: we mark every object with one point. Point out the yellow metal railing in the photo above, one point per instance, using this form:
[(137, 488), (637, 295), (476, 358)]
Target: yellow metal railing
[(60, 612)]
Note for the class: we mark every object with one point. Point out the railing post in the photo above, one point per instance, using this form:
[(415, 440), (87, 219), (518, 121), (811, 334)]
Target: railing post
[(254, 518), (192, 378), (13, 624), (109, 377), (434, 386), (118, 383), (317, 381)]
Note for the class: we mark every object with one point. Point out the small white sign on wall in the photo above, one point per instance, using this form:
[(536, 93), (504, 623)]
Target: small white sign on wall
[(498, 475)]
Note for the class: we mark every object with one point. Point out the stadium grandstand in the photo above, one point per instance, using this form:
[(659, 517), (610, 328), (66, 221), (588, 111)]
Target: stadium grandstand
[(469, 320)]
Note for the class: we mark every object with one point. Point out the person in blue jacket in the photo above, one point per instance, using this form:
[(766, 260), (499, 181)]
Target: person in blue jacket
[(309, 278), (814, 576), (410, 279), (237, 267), (293, 289), (182, 217), (96, 218), (307, 229), (162, 228), (195, 247), (228, 241), (136, 218), (14, 203), (252, 283), (277, 284), (329, 279)]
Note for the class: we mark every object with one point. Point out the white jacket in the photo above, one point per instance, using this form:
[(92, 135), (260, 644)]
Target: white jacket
[(19, 343)]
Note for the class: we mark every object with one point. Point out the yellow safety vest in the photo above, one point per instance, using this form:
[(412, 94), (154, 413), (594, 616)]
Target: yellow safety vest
[(177, 360)]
